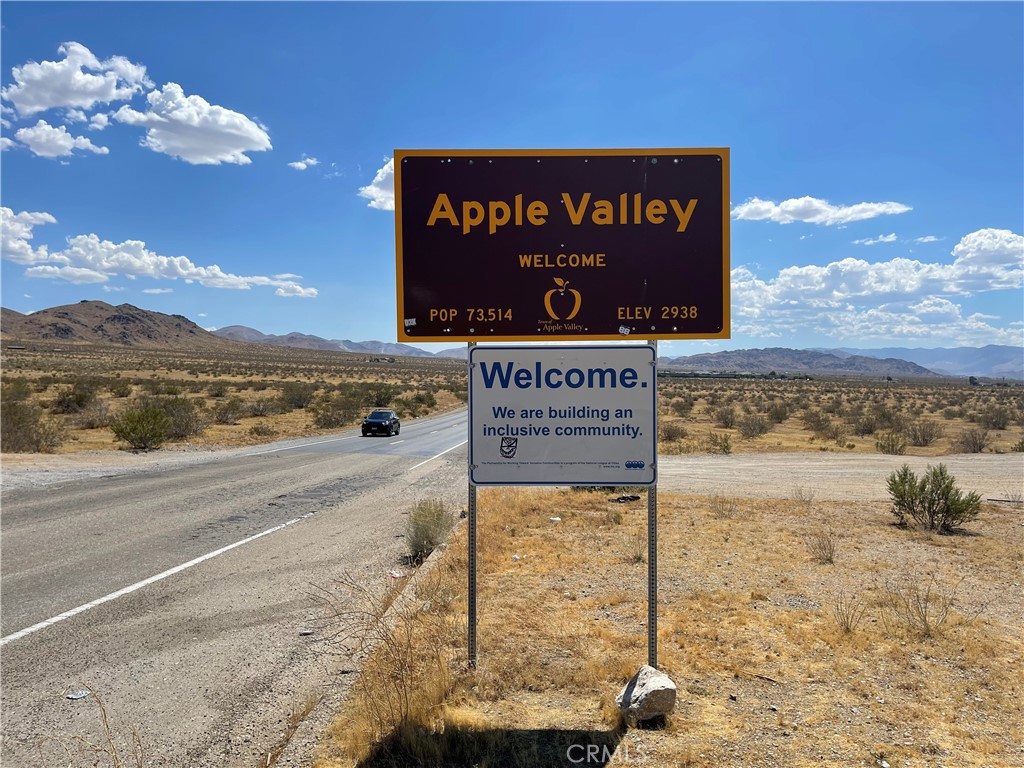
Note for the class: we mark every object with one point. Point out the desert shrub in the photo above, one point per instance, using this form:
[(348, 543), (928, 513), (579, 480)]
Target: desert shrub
[(892, 443), (922, 610), (229, 412), (120, 389), (429, 524), (187, 418), (75, 397), (932, 501), (778, 412), (462, 395), (158, 387), (971, 441), (923, 433), (682, 406), (265, 406), (887, 418), (1018, 447), (95, 416), (725, 417), (333, 411), (722, 508), (847, 611), (821, 545), (262, 430), (24, 428), (217, 389), (719, 442), (298, 395), (15, 390), (425, 399), (994, 417), (816, 421), (381, 395), (863, 425), (753, 425), (670, 432), (144, 427)]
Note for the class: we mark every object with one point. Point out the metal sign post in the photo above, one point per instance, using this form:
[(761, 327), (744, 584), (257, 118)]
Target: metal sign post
[(652, 551), (471, 642), (471, 534)]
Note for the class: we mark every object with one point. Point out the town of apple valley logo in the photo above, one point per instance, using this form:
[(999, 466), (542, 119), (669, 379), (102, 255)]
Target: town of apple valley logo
[(509, 445), (563, 286)]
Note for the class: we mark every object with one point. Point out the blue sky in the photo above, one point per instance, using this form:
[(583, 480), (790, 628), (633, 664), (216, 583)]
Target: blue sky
[(229, 161)]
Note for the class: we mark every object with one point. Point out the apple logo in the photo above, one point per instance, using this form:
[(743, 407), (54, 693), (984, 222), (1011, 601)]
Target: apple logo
[(560, 290)]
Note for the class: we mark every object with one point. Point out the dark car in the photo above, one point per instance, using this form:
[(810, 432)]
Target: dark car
[(381, 422)]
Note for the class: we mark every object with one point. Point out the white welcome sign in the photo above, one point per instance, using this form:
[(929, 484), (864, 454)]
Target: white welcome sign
[(563, 415)]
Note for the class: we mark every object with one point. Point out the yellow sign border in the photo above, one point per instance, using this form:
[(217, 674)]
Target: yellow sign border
[(722, 152)]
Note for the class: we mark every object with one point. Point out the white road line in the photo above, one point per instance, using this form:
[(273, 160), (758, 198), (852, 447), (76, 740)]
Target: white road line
[(442, 453), (144, 583), (202, 558), (298, 447)]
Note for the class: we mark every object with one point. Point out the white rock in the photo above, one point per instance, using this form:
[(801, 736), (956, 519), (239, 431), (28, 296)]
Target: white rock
[(649, 694)]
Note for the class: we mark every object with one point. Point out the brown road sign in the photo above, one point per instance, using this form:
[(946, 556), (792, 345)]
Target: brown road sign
[(520, 245)]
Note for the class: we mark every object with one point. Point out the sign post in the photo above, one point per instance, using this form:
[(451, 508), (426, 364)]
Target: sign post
[(562, 245)]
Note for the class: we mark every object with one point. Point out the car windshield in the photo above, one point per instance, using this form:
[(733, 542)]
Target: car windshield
[(380, 415)]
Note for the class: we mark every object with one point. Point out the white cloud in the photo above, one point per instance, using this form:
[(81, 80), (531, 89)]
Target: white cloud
[(75, 116), (381, 191), (78, 81), (88, 259), (76, 275), (927, 239), (896, 299), (304, 163), (99, 121), (988, 259), (813, 211), (6, 144), (202, 314), (46, 141), (192, 129), (294, 289), (890, 238), (113, 288), (16, 232)]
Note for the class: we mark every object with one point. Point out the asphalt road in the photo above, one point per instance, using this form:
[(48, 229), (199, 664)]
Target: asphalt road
[(181, 597)]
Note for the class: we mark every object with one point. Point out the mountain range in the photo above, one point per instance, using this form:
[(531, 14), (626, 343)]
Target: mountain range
[(305, 341), (97, 322)]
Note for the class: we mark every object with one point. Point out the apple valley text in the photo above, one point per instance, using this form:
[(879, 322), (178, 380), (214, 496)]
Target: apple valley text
[(627, 209)]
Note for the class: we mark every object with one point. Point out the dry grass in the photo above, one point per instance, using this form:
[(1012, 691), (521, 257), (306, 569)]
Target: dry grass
[(778, 661), (118, 746)]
